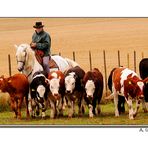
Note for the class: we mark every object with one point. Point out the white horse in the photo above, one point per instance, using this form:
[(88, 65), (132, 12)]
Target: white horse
[(28, 64)]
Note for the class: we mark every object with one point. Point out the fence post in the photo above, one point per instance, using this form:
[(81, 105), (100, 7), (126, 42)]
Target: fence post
[(135, 61), (9, 64), (74, 57), (104, 56), (119, 58), (128, 60), (90, 61)]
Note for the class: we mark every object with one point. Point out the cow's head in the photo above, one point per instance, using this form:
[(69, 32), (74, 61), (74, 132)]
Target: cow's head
[(41, 93), (90, 88), (70, 81), (4, 83), (54, 87), (134, 88)]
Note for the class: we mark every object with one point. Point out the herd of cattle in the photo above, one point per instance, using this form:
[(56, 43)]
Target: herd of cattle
[(77, 87)]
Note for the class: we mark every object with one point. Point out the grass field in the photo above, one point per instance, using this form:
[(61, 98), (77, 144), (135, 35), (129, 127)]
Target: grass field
[(105, 118)]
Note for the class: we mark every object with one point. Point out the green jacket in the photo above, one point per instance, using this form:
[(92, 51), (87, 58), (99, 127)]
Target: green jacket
[(43, 41)]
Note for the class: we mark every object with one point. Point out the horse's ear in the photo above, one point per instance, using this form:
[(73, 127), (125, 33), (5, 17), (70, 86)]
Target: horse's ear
[(15, 46)]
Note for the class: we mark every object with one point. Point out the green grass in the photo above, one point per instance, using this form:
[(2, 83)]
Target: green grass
[(105, 118)]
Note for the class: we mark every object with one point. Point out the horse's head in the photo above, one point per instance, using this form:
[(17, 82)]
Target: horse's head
[(21, 55)]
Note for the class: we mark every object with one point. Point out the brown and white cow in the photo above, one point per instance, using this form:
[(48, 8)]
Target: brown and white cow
[(74, 89), (128, 84), (93, 82), (56, 94)]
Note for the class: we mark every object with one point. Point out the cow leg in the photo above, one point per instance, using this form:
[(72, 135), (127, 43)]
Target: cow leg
[(116, 104), (13, 107), (64, 103), (130, 105), (137, 107), (33, 107), (53, 109), (144, 106), (90, 111), (44, 107), (60, 107), (98, 110), (37, 110), (27, 111), (71, 108), (20, 100)]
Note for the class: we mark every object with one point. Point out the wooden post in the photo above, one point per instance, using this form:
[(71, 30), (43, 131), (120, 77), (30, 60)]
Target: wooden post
[(119, 58), (128, 60), (9, 64), (90, 61), (59, 53), (135, 61), (105, 71), (74, 57)]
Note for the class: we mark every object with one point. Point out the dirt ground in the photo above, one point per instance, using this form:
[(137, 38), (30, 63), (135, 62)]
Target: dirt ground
[(79, 35)]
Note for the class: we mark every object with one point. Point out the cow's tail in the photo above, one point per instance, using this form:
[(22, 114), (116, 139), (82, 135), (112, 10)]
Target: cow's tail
[(110, 97)]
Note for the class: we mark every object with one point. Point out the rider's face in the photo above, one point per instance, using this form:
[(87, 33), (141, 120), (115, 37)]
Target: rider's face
[(38, 30)]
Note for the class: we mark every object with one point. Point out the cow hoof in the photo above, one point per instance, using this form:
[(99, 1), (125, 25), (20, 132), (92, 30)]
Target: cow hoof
[(91, 116), (131, 117), (44, 118), (145, 110), (37, 113), (32, 116), (70, 116)]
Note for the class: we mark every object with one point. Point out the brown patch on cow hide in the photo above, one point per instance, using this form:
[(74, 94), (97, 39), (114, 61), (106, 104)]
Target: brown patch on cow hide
[(116, 78)]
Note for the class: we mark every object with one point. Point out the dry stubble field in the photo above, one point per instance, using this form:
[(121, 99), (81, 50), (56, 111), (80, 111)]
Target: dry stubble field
[(79, 35)]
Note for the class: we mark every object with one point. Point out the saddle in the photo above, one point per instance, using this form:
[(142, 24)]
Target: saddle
[(39, 56)]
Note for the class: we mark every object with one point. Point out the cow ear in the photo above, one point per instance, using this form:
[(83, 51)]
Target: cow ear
[(9, 81), (75, 76), (2, 77), (47, 81), (145, 80)]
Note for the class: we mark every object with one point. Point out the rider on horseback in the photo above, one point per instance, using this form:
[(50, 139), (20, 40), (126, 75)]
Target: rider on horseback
[(41, 43)]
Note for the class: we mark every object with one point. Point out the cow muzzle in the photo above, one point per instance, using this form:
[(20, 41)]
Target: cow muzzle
[(141, 97), (68, 91)]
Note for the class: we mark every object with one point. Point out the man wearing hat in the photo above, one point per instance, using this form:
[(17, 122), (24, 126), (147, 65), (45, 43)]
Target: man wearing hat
[(41, 41)]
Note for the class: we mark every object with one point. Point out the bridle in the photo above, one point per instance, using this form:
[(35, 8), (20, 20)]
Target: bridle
[(24, 62), (18, 61)]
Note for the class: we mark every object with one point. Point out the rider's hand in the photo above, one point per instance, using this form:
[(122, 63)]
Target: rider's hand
[(33, 45)]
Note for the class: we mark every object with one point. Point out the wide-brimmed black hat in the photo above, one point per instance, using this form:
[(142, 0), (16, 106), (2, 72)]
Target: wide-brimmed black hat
[(38, 25)]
